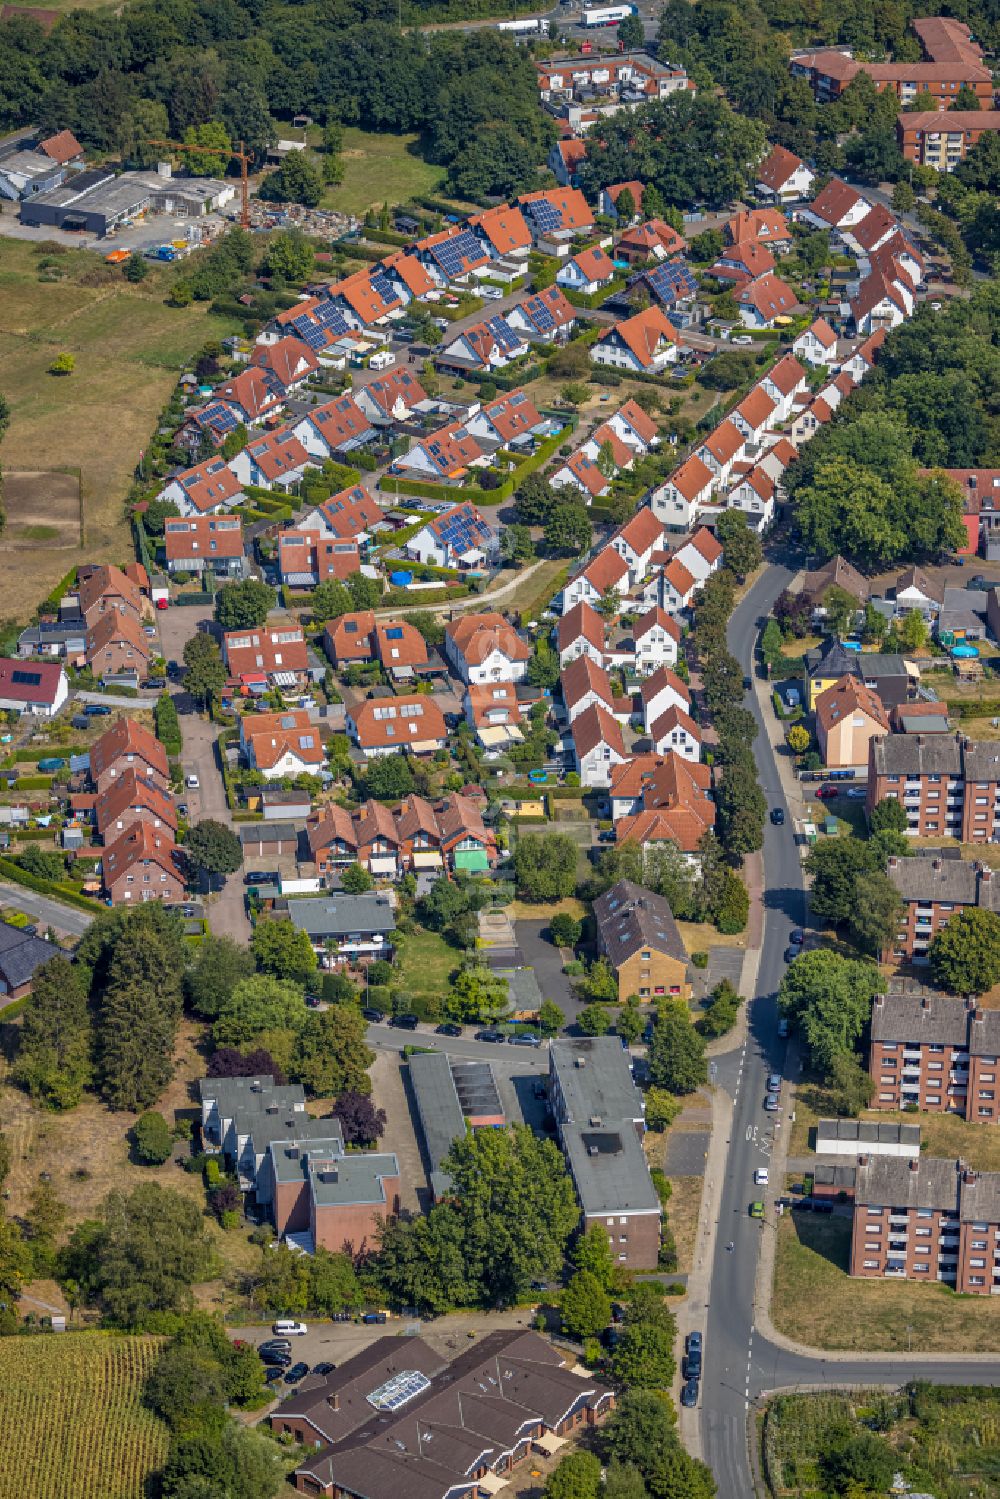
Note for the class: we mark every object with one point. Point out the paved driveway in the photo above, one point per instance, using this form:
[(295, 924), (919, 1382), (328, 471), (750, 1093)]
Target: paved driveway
[(547, 961)]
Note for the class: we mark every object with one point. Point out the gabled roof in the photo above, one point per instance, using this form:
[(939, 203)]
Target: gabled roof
[(606, 570), (847, 696), (656, 618), (760, 482), (586, 471), (621, 454), (871, 346), (822, 332), (581, 676), (266, 648), (877, 222), (635, 189), (399, 644), (874, 290), (412, 272), (572, 151), (663, 678), (642, 532), (349, 512), (836, 573), (394, 723), (458, 817), (107, 582), (397, 385), (640, 421), (125, 794), (278, 454), (339, 422), (512, 415), (351, 635), (676, 806), (62, 147), (692, 478), (654, 234), (835, 201), (285, 359), (129, 741), (770, 296), (331, 823), (139, 844), (476, 636), (724, 442), (778, 167), (485, 699), (208, 485), (581, 621), (376, 821), (630, 918), (568, 205), (369, 296), (643, 333), (547, 309), (451, 448), (707, 543), (251, 391), (204, 535), (677, 575), (786, 375), (594, 726), (594, 264), (273, 735), (744, 261), (674, 718), (112, 627), (462, 527), (757, 223), (784, 450), (504, 227), (756, 408)]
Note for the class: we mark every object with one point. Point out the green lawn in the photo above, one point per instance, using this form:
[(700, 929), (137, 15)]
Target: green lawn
[(425, 964), (380, 169)]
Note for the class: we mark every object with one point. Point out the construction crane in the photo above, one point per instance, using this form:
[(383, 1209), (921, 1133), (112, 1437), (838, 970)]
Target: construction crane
[(237, 153)]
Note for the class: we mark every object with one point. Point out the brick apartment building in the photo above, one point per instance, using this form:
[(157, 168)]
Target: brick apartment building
[(947, 784), (929, 1219), (933, 889), (599, 1116), (942, 140), (930, 1051), (951, 59)]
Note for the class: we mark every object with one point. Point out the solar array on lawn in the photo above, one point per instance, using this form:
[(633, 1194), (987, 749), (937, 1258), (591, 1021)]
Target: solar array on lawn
[(399, 1390)]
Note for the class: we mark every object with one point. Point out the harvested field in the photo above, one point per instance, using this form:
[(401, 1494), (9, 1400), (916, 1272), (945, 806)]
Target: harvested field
[(42, 507)]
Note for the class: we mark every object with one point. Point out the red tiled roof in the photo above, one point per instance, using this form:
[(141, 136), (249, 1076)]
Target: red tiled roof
[(399, 644), (677, 575), (312, 552), (595, 726), (113, 628), (43, 686), (756, 408), (692, 478), (572, 151), (745, 261), (657, 617), (286, 359), (661, 678), (62, 147), (594, 264), (349, 512), (606, 570), (771, 297), (477, 636), (581, 676), (423, 722), (414, 275), (107, 582), (265, 648), (208, 485), (338, 422), (504, 227), (250, 391), (140, 844), (758, 223), (640, 421), (512, 415), (204, 535), (589, 475), (272, 735), (568, 202), (642, 532), (643, 333), (362, 299), (350, 636), (707, 543), (582, 621), (822, 332), (397, 385), (622, 455), (278, 454), (129, 741), (786, 374), (877, 222), (724, 442), (652, 235), (775, 171), (835, 201), (126, 793), (674, 718)]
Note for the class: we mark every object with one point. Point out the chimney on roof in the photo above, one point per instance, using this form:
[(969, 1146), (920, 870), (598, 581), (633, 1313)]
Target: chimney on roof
[(864, 1160), (914, 1164), (595, 1121), (936, 865), (333, 1401), (920, 741), (968, 1177), (985, 874), (581, 1061), (893, 862)]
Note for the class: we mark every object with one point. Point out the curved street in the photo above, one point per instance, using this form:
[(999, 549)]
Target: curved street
[(741, 1361)]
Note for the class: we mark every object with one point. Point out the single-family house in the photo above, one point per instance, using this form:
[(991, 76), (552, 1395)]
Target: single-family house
[(331, 833), (251, 397), (598, 745), (544, 317), (116, 644), (871, 233), (721, 449), (583, 684), (306, 558), (677, 586), (580, 632), (106, 590), (580, 471), (503, 231), (605, 571), (350, 639), (351, 515), (637, 540), (266, 656), (861, 361), (378, 840), (635, 427), (607, 201), (765, 300), (783, 382), (36, 687), (880, 303), (784, 177), (754, 494), (702, 555), (387, 726), (565, 159), (744, 262), (657, 640), (604, 440), (663, 690), (400, 647), (276, 461), (915, 589), (493, 711), (288, 363), (763, 225), (817, 345), (485, 648), (209, 488), (205, 543), (452, 254), (645, 342), (337, 427), (459, 538), (512, 420), (676, 731), (652, 240), (753, 416), (390, 398), (588, 272), (281, 744), (489, 345), (688, 490), (444, 455), (837, 206), (559, 214), (848, 715)]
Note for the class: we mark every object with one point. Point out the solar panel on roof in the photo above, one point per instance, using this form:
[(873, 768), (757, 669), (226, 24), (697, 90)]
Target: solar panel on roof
[(26, 678), (503, 333), (219, 417), (539, 314), (383, 288), (545, 215)]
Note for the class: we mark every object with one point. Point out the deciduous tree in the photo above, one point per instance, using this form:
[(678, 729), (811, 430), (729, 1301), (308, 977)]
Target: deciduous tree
[(54, 1048), (545, 866), (965, 954), (283, 950), (677, 1051)]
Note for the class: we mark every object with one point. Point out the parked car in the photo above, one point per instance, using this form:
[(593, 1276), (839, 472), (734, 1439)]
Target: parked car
[(192, 781), (374, 1017), (257, 877), (774, 1082), (777, 816), (772, 1103), (78, 721), (689, 1393), (370, 1318), (783, 1028), (692, 1364), (525, 1038), (274, 1358), (405, 1022), (760, 1177), (496, 1037), (272, 1374), (796, 936), (856, 793), (163, 603), (449, 1029), (791, 953), (283, 1345), (287, 1328), (827, 791), (156, 682), (96, 710), (296, 1372), (324, 1368), (693, 1341)]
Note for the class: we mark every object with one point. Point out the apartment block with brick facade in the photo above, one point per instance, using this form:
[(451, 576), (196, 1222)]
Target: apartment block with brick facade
[(927, 1219), (919, 1054), (932, 889), (328, 1199), (948, 785)]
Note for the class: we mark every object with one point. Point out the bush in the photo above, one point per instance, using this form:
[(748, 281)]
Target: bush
[(699, 959), (151, 1139)]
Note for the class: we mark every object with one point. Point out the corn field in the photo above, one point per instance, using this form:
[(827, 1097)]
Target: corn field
[(72, 1423)]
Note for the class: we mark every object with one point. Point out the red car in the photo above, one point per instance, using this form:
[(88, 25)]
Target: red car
[(828, 790), (163, 603)]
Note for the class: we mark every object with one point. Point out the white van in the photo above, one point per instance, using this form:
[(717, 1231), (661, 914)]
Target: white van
[(382, 360), (286, 1329), (760, 1177)]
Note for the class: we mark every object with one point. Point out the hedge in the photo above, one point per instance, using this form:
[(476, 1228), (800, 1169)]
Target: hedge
[(590, 301), (11, 871), (33, 783), (34, 753), (506, 379), (387, 236), (358, 251), (467, 494), (966, 708), (62, 588)]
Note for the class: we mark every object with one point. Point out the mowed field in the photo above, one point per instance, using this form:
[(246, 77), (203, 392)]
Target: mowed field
[(380, 169), (72, 1422), (129, 349)]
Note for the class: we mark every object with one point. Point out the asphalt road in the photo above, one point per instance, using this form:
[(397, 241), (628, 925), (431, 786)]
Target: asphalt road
[(45, 912), (740, 1363)]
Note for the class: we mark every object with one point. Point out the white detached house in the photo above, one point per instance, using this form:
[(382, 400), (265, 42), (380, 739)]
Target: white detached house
[(676, 731)]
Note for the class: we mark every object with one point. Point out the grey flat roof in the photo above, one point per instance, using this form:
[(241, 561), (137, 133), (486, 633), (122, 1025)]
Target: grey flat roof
[(30, 164), (920, 1019), (609, 1168), (97, 192), (266, 1129), (291, 1155), (354, 1178), (596, 1080), (867, 1132), (522, 986), (842, 1177), (889, 1181), (441, 1119), (268, 832), (339, 915)]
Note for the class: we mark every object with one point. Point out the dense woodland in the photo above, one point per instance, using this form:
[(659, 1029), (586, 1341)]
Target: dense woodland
[(158, 69)]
